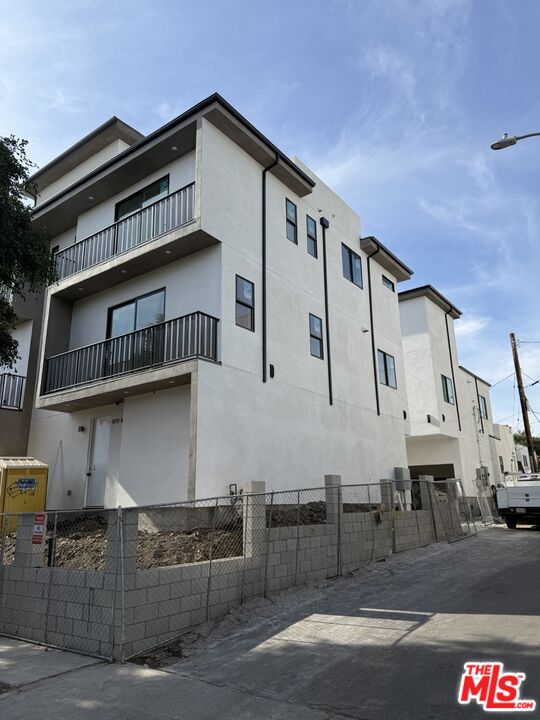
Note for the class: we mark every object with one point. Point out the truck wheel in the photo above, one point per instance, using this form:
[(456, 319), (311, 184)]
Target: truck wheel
[(511, 523)]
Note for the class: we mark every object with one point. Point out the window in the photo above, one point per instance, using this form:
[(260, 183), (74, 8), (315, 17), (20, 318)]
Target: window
[(501, 464), (311, 226), (292, 229), (136, 314), (483, 407), (142, 198), (245, 303), (448, 390), (315, 336), (387, 369), (388, 283), (352, 265)]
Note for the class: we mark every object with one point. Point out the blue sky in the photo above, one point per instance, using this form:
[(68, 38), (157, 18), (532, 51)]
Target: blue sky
[(393, 103)]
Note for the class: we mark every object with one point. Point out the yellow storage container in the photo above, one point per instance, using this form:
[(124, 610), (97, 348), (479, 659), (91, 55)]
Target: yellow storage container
[(23, 485)]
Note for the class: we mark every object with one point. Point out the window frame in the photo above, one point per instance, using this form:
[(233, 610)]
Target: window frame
[(243, 303), (446, 395), (132, 301), (350, 254), (290, 222), (117, 218), (388, 283), (312, 238), (482, 402), (312, 336), (386, 381)]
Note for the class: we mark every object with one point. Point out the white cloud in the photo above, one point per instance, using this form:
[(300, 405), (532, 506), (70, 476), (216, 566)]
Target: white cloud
[(470, 325)]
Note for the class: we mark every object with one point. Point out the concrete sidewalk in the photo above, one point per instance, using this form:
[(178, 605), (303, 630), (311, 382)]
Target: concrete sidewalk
[(388, 642)]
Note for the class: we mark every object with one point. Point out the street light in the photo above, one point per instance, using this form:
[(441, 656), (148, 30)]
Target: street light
[(508, 140)]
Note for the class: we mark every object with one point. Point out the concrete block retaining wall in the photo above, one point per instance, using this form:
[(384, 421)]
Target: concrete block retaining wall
[(122, 611)]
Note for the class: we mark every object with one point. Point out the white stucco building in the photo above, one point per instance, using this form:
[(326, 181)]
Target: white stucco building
[(451, 421), (217, 319)]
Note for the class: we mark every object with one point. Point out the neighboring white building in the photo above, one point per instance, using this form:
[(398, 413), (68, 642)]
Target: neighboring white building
[(450, 411), (523, 460), (503, 451), (217, 319)]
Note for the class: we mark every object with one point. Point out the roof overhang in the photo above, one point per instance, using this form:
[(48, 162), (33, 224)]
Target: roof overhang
[(385, 258), (429, 292), (152, 152)]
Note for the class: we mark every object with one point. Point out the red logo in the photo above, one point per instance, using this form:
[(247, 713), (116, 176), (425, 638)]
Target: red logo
[(487, 684)]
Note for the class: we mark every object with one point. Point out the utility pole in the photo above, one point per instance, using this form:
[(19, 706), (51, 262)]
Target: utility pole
[(524, 404)]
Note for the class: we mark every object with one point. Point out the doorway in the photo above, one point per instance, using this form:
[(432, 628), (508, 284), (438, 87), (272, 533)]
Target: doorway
[(98, 462)]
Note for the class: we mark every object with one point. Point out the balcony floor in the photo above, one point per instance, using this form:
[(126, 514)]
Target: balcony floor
[(115, 390)]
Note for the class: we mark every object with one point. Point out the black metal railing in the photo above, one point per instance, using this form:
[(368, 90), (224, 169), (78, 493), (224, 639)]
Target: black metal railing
[(11, 391), (146, 224), (184, 338)]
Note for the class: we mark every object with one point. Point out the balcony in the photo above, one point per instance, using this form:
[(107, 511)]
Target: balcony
[(134, 356), (11, 391)]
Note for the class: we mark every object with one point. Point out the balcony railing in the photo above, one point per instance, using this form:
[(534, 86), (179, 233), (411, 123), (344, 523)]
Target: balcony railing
[(11, 391), (184, 338), (141, 227)]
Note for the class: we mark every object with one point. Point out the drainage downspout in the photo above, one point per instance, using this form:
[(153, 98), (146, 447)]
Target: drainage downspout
[(373, 351), (325, 225), (263, 254), (452, 367)]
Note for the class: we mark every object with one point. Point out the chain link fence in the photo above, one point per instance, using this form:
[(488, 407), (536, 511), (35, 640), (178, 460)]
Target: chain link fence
[(116, 583)]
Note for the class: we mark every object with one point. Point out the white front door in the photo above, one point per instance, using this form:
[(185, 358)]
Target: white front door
[(98, 462)]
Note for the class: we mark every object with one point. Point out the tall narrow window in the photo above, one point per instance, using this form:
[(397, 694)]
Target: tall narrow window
[(448, 390), (245, 303), (387, 369), (483, 407), (311, 226), (292, 225), (388, 283), (352, 265), (315, 336)]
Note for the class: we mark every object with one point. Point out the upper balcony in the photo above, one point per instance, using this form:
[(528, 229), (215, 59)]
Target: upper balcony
[(152, 358), (159, 233)]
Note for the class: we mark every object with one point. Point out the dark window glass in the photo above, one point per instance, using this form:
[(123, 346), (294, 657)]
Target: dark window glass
[(137, 314), (311, 226), (142, 198), (315, 336), (483, 407), (387, 369), (245, 303), (292, 229), (388, 283), (448, 390), (352, 265)]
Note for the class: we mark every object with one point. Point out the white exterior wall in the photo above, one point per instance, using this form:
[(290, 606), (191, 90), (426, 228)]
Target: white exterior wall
[(99, 158)]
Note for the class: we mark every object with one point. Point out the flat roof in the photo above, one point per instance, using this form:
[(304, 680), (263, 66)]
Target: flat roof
[(432, 294), (477, 377), (386, 258)]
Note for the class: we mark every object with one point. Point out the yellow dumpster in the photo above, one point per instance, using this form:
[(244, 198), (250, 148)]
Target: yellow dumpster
[(23, 485)]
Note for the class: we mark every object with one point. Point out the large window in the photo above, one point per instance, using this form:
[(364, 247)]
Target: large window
[(136, 314), (483, 407), (387, 369), (142, 198), (448, 390), (315, 336), (311, 227), (292, 223), (352, 265), (245, 303)]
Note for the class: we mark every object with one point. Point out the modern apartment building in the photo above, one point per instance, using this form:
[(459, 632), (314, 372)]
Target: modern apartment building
[(217, 319), (450, 410), (18, 383)]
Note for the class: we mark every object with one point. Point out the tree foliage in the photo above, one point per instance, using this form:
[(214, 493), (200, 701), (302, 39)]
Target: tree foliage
[(26, 263), (520, 439)]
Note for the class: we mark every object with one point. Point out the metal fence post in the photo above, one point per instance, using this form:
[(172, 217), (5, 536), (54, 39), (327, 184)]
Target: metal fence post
[(338, 528), (122, 585), (51, 566), (3, 528), (393, 506), (268, 538), (297, 557), (245, 510), (209, 584)]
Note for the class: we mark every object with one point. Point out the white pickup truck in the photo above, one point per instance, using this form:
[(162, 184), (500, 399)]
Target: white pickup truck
[(519, 502)]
